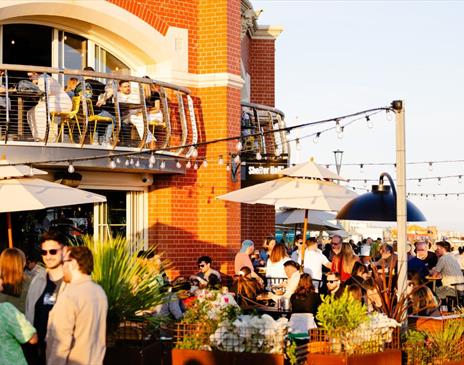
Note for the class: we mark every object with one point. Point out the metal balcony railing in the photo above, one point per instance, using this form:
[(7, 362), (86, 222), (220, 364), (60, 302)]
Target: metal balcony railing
[(85, 109), (262, 131)]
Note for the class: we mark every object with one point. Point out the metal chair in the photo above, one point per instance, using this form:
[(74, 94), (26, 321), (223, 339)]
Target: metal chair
[(66, 118), (96, 119)]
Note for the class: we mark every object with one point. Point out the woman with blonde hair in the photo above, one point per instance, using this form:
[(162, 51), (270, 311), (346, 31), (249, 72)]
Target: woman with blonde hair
[(14, 281), (343, 262), (276, 261)]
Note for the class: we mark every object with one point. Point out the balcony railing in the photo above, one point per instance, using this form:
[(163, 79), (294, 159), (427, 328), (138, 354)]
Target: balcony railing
[(85, 109)]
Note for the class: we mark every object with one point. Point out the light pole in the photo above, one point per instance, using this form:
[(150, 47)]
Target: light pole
[(338, 160)]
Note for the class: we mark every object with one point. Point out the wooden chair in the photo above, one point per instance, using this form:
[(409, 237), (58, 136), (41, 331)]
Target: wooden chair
[(68, 119), (96, 119)]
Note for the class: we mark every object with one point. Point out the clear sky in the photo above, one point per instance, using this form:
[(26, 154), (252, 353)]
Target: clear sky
[(339, 57)]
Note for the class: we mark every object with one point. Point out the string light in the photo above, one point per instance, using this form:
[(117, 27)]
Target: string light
[(178, 164), (162, 164), (151, 165), (361, 168), (126, 163), (338, 128), (195, 166), (439, 181), (228, 167), (71, 168), (340, 134), (237, 159), (419, 181), (369, 122), (137, 163), (152, 159), (259, 157), (131, 161), (194, 152), (297, 144), (316, 137), (239, 146), (205, 163), (430, 166), (188, 164), (118, 160), (112, 164), (460, 179), (220, 160)]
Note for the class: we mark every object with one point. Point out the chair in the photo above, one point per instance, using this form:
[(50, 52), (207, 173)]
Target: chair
[(96, 119), (66, 118), (154, 121)]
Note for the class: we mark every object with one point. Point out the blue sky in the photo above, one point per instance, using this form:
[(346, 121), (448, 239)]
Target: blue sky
[(339, 57)]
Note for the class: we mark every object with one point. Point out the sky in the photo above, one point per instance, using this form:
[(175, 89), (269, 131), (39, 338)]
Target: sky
[(339, 57)]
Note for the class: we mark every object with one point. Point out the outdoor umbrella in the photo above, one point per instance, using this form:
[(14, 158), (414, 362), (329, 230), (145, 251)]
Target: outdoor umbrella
[(304, 186), (28, 193), (317, 220)]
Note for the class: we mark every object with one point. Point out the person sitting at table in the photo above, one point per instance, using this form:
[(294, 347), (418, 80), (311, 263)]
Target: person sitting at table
[(275, 263), (305, 299), (292, 272), (204, 264), (358, 275), (421, 299), (126, 97), (245, 285), (334, 284), (356, 292), (242, 259), (266, 250), (71, 86), (388, 261), (429, 258), (57, 101), (343, 261)]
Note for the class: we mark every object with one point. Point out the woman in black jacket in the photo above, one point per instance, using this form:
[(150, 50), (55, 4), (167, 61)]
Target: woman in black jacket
[(305, 299)]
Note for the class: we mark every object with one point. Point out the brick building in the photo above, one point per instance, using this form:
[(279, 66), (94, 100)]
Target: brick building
[(218, 51)]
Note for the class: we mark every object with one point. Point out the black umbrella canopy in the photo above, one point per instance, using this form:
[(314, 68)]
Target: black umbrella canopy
[(378, 205)]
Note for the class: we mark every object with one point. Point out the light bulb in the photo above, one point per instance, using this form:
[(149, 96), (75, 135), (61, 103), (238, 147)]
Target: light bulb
[(162, 164), (297, 144), (439, 181), (316, 137), (419, 181), (118, 160), (237, 159), (460, 179), (228, 167), (220, 160), (205, 163), (365, 183), (259, 157), (112, 164), (152, 159), (195, 166), (178, 164), (239, 146), (338, 127), (71, 168), (361, 168), (126, 163), (137, 163), (131, 161), (194, 152), (430, 166), (369, 122), (188, 164), (340, 134)]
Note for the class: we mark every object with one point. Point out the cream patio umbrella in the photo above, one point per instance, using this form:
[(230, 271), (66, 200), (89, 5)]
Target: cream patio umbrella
[(21, 192), (318, 220), (304, 186)]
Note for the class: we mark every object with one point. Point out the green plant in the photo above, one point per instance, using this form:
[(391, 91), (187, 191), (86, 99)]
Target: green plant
[(290, 352), (130, 285), (340, 315)]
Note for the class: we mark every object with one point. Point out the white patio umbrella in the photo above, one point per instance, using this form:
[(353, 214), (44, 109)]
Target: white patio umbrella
[(305, 186), (318, 220), (29, 193)]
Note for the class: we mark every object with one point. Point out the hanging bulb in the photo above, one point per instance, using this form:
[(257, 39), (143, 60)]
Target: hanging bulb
[(151, 165), (297, 144), (188, 164), (71, 168), (194, 152), (220, 160), (118, 160), (316, 137), (205, 163), (338, 127), (446, 196), (460, 179), (259, 157), (178, 164), (439, 181), (126, 163), (131, 161), (112, 164), (239, 146), (457, 196), (419, 181), (152, 159), (365, 183), (369, 122), (195, 166), (162, 164), (237, 159), (137, 163), (228, 167), (430, 166), (361, 168), (340, 134)]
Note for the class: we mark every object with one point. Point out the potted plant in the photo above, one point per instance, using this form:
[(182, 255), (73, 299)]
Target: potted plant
[(132, 285), (349, 335)]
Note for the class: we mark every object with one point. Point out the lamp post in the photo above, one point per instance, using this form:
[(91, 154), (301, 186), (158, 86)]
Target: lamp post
[(338, 160)]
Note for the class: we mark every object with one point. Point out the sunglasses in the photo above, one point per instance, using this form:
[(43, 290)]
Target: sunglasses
[(52, 252), (202, 265), (332, 281)]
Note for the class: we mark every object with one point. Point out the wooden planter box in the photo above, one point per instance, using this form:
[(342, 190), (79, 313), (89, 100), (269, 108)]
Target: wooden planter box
[(198, 357), (387, 357)]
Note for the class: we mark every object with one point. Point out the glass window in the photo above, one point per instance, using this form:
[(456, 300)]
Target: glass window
[(75, 51), (106, 62)]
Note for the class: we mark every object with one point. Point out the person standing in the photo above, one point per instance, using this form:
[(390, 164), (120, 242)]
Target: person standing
[(76, 331), (314, 262), (46, 286)]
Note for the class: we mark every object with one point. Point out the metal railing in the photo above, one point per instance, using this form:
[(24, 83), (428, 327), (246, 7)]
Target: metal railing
[(85, 109)]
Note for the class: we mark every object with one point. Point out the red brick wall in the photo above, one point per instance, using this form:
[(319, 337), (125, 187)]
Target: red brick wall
[(262, 71)]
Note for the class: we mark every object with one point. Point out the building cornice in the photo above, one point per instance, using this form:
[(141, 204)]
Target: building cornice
[(269, 32), (221, 79)]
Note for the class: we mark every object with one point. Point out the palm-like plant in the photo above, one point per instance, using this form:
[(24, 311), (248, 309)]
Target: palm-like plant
[(131, 284)]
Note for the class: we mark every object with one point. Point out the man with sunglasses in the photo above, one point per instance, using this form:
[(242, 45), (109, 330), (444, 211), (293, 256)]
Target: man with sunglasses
[(45, 287), (204, 264)]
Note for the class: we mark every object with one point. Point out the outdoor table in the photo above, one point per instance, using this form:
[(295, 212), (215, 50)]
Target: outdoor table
[(433, 280)]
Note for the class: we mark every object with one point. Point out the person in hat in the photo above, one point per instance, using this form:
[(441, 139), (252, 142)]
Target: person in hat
[(242, 259)]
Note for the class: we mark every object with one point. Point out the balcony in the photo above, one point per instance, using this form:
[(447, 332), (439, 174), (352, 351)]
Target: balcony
[(49, 114)]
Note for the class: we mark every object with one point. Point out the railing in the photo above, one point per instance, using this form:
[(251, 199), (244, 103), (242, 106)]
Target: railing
[(271, 143), (85, 109)]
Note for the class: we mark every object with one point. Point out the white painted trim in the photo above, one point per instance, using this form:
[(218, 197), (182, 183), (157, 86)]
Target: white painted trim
[(221, 79), (268, 32)]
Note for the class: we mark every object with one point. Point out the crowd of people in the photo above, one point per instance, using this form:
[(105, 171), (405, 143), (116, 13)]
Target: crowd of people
[(55, 315)]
